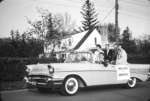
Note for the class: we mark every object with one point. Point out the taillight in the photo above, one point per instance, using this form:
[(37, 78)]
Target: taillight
[(51, 69)]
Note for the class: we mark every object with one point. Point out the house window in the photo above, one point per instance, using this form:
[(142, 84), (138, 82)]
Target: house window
[(70, 43), (95, 39)]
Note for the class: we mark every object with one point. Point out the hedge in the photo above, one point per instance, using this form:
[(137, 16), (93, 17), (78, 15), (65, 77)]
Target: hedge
[(139, 59), (13, 69)]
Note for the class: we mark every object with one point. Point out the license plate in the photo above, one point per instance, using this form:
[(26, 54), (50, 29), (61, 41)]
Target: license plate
[(41, 83)]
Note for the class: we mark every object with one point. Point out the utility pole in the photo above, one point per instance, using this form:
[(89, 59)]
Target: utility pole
[(116, 20)]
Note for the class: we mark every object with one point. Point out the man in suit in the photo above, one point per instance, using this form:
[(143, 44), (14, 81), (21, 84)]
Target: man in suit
[(108, 53)]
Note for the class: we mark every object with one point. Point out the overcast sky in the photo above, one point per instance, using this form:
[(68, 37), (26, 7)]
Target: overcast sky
[(132, 13)]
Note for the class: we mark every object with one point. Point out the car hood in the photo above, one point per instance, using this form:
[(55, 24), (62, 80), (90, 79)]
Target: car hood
[(38, 69)]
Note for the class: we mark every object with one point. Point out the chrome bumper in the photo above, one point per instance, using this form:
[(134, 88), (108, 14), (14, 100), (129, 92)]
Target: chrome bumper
[(50, 83), (148, 75)]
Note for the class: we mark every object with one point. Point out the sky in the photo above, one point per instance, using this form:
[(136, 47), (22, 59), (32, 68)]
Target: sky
[(132, 13)]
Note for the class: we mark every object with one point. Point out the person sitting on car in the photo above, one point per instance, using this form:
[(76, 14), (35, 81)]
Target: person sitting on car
[(114, 55), (121, 56), (98, 55), (108, 53)]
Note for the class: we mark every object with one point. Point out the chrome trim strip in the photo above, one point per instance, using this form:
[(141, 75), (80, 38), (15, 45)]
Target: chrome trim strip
[(88, 71), (58, 83)]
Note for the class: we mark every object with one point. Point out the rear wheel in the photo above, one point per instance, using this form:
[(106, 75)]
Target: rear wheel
[(132, 82), (70, 86)]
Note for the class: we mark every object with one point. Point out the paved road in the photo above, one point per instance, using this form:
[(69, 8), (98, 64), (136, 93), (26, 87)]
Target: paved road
[(101, 93)]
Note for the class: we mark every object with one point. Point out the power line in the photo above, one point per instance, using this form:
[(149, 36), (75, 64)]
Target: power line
[(133, 16), (139, 12), (135, 3), (73, 1), (57, 4), (134, 10), (108, 14)]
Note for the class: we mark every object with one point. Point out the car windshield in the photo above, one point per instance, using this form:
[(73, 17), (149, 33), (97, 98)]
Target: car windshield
[(78, 57)]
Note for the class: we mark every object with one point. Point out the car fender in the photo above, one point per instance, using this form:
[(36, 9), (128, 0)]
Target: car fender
[(81, 81), (140, 77)]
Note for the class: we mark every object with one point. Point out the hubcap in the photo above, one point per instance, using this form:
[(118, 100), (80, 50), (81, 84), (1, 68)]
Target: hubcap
[(71, 86), (132, 82)]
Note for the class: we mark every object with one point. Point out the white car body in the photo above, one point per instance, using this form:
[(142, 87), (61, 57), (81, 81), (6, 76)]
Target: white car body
[(86, 73)]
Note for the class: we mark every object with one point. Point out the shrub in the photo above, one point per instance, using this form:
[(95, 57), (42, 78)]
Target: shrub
[(139, 59), (13, 69)]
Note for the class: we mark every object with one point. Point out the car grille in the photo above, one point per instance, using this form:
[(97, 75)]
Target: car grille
[(42, 79), (39, 80)]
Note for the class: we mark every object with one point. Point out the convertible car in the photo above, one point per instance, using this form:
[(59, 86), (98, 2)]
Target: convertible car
[(71, 75)]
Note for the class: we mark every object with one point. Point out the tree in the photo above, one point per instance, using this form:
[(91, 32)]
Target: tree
[(89, 15), (144, 45), (126, 36), (111, 32), (127, 42), (15, 35), (1, 1), (108, 30), (51, 28)]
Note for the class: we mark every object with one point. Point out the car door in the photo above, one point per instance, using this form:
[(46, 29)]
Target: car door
[(98, 74), (101, 75)]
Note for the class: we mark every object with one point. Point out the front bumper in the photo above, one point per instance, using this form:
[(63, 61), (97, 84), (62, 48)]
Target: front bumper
[(148, 76), (49, 83)]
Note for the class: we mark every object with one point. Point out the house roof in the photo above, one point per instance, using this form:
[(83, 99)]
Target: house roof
[(82, 40), (76, 39), (79, 38)]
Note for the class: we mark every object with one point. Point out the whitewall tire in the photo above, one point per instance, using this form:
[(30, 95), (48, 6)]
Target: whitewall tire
[(132, 82), (70, 86)]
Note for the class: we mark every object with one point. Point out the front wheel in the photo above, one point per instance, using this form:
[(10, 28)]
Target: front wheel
[(132, 82), (70, 86)]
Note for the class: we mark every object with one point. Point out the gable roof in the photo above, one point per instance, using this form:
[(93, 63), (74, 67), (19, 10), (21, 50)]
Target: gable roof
[(83, 39)]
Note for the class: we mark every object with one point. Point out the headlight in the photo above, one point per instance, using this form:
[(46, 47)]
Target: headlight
[(26, 79), (51, 69), (28, 71)]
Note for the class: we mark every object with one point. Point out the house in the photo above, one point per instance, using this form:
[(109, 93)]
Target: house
[(80, 42), (84, 41)]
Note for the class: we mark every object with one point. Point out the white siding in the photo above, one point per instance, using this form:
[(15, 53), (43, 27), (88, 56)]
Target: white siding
[(76, 38), (90, 41)]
